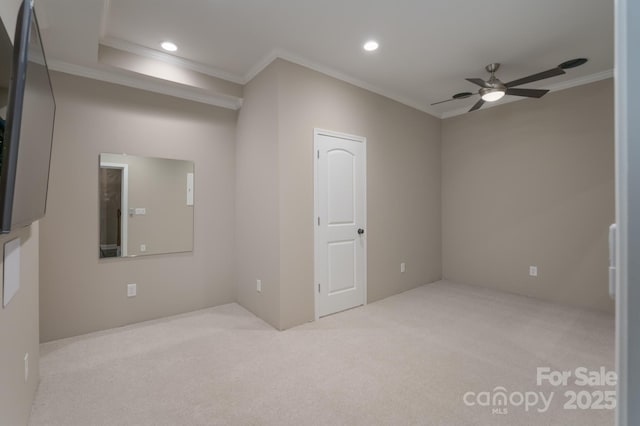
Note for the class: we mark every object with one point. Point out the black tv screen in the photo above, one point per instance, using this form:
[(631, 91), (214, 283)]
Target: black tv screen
[(27, 125)]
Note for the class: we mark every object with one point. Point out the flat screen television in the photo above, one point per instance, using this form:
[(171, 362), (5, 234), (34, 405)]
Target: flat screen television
[(26, 123)]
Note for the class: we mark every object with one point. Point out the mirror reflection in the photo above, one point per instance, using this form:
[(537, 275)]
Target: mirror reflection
[(146, 205)]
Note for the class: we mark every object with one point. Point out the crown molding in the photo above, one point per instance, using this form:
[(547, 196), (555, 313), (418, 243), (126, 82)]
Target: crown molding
[(147, 83), (299, 60), (136, 49), (261, 65), (296, 59), (579, 81), (234, 103), (288, 56), (258, 68)]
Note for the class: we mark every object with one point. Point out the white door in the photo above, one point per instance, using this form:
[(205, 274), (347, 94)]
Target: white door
[(340, 207)]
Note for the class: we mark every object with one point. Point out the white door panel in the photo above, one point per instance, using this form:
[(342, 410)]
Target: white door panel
[(340, 201), (340, 187), (342, 268)]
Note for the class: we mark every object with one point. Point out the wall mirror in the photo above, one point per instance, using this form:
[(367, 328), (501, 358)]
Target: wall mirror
[(146, 205)]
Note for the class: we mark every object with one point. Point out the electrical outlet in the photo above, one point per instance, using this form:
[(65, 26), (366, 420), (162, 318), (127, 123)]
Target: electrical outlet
[(26, 367), (132, 290), (403, 267), (533, 271), (143, 248), (259, 286)]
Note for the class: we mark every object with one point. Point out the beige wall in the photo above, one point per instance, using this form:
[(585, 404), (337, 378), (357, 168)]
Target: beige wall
[(9, 14), (257, 209), (403, 178), (266, 181), (80, 293), (532, 183), (19, 332), (403, 185)]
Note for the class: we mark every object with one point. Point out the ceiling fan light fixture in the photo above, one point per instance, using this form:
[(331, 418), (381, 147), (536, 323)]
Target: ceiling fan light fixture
[(492, 94)]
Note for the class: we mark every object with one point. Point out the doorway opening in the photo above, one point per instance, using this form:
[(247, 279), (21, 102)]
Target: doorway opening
[(113, 209)]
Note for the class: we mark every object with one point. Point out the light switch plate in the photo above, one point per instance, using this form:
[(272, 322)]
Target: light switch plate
[(533, 271), (189, 189), (143, 248), (132, 290)]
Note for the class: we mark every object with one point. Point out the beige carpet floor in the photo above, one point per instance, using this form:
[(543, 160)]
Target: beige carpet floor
[(408, 359)]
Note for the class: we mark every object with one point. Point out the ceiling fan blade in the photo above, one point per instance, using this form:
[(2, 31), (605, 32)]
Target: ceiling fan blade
[(462, 95), (441, 102), (527, 93), (477, 105), (536, 77), (480, 82)]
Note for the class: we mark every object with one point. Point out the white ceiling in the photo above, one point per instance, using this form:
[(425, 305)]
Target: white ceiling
[(427, 47)]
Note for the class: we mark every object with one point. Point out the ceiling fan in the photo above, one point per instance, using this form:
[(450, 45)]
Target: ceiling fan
[(493, 89)]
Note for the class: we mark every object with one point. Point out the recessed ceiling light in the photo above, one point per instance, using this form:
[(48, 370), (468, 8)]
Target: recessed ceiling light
[(169, 46), (370, 46)]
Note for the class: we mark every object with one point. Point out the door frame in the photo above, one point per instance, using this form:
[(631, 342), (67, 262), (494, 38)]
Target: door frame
[(316, 212), (124, 203), (627, 88)]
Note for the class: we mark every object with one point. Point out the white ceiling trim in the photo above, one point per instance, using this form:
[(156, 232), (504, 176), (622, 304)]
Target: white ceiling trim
[(283, 54), (291, 57), (592, 78), (109, 76), (261, 65), (299, 60), (258, 68), (235, 103), (146, 52), (136, 49)]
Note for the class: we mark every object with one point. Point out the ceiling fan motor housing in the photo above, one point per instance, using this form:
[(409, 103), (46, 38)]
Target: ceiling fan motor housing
[(495, 85), (492, 68)]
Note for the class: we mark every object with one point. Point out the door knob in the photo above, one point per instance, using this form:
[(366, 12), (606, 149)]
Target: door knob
[(360, 231)]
